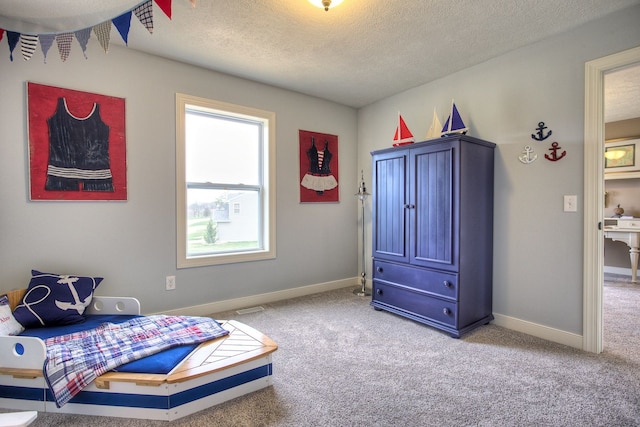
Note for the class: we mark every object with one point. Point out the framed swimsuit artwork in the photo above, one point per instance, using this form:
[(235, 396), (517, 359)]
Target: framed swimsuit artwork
[(318, 167), (77, 145)]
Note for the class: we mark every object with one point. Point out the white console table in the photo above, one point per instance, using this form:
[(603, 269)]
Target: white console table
[(626, 230)]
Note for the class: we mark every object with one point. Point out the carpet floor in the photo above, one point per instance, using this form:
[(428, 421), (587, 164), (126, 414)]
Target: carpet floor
[(341, 363)]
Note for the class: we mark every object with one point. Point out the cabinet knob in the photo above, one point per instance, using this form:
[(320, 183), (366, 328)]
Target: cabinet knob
[(409, 206), (446, 311), (446, 284), (379, 291), (380, 269)]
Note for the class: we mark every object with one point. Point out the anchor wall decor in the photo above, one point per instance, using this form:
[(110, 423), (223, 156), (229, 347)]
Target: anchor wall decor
[(527, 156), (540, 136), (554, 157)]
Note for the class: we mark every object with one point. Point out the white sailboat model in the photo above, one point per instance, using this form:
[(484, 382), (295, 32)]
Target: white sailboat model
[(435, 128), (454, 124)]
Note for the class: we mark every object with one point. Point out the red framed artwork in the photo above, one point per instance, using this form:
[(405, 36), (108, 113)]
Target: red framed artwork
[(77, 145), (318, 167)]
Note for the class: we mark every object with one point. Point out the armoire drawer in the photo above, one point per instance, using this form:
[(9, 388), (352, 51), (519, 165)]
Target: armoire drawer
[(431, 281), (436, 309)]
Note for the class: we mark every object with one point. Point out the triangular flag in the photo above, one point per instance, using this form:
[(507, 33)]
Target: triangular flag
[(144, 12), (64, 44), (165, 5), (1, 33), (28, 44), (12, 38), (103, 33), (83, 38), (46, 40), (123, 24)]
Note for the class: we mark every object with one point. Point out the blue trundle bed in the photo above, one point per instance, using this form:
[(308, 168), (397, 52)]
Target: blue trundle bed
[(165, 386)]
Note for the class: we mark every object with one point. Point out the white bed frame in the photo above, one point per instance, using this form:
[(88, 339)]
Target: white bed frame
[(216, 371)]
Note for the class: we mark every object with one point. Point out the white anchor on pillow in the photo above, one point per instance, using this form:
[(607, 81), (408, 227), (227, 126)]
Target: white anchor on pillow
[(79, 305)]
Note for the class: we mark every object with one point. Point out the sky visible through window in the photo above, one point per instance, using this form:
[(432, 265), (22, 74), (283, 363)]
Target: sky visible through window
[(222, 150)]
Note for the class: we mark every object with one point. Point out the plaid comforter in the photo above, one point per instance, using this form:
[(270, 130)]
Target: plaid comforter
[(75, 360)]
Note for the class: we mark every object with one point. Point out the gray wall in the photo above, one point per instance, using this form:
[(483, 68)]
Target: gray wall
[(132, 244), (537, 247)]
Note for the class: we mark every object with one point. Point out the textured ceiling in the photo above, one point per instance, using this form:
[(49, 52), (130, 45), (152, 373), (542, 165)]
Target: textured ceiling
[(622, 94), (355, 54)]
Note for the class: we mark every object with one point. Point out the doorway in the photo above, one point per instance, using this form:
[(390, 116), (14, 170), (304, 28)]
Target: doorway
[(594, 193)]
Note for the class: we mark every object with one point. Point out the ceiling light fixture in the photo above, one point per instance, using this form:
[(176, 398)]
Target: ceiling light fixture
[(614, 154), (325, 4)]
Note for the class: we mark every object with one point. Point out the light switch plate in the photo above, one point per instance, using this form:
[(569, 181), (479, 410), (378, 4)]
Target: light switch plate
[(571, 203)]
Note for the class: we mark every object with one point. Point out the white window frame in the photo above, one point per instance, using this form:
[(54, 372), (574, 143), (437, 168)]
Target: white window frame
[(268, 201)]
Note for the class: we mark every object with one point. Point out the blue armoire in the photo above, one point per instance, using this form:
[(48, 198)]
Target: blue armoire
[(432, 230)]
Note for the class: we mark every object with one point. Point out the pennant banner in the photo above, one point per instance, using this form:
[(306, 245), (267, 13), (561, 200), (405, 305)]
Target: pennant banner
[(12, 38), (83, 38), (64, 45), (123, 24), (165, 5), (144, 12), (102, 31), (28, 45), (103, 34), (46, 40)]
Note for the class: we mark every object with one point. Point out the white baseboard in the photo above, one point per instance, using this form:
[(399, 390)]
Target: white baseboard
[(254, 300), (618, 270), (540, 331)]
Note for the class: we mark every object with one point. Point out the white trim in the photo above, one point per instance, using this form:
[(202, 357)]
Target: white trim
[(618, 270), (268, 184), (593, 249), (540, 331), (253, 300), (66, 107)]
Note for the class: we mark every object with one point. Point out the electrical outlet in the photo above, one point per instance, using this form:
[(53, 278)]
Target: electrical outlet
[(571, 203), (170, 283)]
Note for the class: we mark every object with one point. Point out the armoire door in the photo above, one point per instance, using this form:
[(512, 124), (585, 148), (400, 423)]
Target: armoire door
[(389, 215), (432, 221)]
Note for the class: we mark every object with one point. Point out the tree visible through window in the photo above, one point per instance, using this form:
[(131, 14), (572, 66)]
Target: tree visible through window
[(225, 158)]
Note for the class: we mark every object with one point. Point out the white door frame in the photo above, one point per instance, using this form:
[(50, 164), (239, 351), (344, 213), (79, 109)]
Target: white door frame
[(593, 246)]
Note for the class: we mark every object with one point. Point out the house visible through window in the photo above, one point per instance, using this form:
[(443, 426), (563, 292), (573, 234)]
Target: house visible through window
[(224, 160)]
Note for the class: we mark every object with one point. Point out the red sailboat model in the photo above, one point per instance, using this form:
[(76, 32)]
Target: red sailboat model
[(403, 135)]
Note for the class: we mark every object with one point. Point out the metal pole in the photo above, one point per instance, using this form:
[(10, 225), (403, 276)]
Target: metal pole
[(362, 291)]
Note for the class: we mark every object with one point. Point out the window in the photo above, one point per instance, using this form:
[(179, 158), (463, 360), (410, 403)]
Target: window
[(225, 158)]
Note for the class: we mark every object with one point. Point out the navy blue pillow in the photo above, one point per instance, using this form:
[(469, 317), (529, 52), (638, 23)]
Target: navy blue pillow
[(55, 299)]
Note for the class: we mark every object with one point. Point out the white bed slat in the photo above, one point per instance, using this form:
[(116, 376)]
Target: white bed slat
[(113, 305), (22, 352)]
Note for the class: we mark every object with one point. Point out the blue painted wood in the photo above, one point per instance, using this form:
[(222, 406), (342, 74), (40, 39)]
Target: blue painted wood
[(436, 283), (389, 195), (438, 310), (433, 223), (433, 239)]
